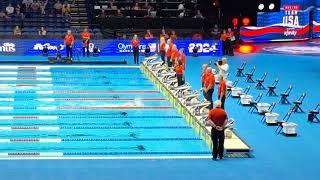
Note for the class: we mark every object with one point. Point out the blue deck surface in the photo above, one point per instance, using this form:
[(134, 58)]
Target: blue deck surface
[(275, 156)]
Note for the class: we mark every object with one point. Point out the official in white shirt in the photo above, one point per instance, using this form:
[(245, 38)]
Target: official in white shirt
[(223, 68)]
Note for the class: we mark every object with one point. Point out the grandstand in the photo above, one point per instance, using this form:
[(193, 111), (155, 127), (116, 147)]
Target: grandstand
[(127, 17)]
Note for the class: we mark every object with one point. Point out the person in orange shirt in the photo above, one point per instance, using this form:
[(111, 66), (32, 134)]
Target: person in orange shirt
[(174, 55), (173, 35), (203, 75), (217, 119), (69, 41), (182, 57), (231, 41), (208, 87), (85, 35), (169, 52), (179, 69), (162, 50), (148, 35), (222, 91), (135, 47), (164, 34), (224, 38)]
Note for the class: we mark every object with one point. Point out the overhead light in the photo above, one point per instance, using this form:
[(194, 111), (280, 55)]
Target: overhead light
[(271, 6), (261, 7)]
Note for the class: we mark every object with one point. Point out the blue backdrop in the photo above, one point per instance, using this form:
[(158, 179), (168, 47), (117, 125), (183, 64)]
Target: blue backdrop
[(107, 47)]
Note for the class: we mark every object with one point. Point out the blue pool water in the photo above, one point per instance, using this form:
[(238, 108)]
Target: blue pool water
[(72, 111)]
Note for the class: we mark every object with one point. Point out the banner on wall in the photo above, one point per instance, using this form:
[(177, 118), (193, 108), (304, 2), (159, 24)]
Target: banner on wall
[(292, 23), (107, 47), (316, 22)]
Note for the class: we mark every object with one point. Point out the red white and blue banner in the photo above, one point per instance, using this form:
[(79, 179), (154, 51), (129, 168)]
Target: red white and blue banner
[(292, 23), (316, 22)]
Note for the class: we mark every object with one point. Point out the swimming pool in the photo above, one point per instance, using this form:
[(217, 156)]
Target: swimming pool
[(89, 111)]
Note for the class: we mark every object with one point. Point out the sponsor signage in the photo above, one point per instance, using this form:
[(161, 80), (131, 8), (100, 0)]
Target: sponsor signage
[(106, 47), (290, 24)]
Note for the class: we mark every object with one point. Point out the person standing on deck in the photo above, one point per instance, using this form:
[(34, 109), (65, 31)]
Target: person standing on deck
[(163, 50), (135, 47), (85, 42), (222, 90), (169, 52), (69, 41), (208, 87), (217, 119)]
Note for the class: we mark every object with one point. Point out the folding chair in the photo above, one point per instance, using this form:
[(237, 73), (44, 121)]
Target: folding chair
[(240, 70), (312, 116), (271, 89), (285, 95), (245, 92), (233, 85), (280, 123), (270, 109), (253, 104), (296, 107), (250, 75), (260, 81)]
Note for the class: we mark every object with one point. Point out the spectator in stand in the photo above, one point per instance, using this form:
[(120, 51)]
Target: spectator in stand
[(215, 32), (66, 8), (85, 35), (3, 15), (113, 7), (164, 34), (169, 51), (9, 9), (136, 6), (182, 14), (173, 35), (148, 35), (42, 32), (222, 90), (180, 7), (179, 69), (223, 38), (119, 13), (198, 15), (67, 17), (17, 9), (69, 41), (35, 6), (231, 41), (17, 31), (162, 50), (146, 6), (102, 14), (196, 36), (58, 7), (208, 86), (43, 5), (135, 46)]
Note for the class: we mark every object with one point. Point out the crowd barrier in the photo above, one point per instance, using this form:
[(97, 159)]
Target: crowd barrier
[(106, 47)]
